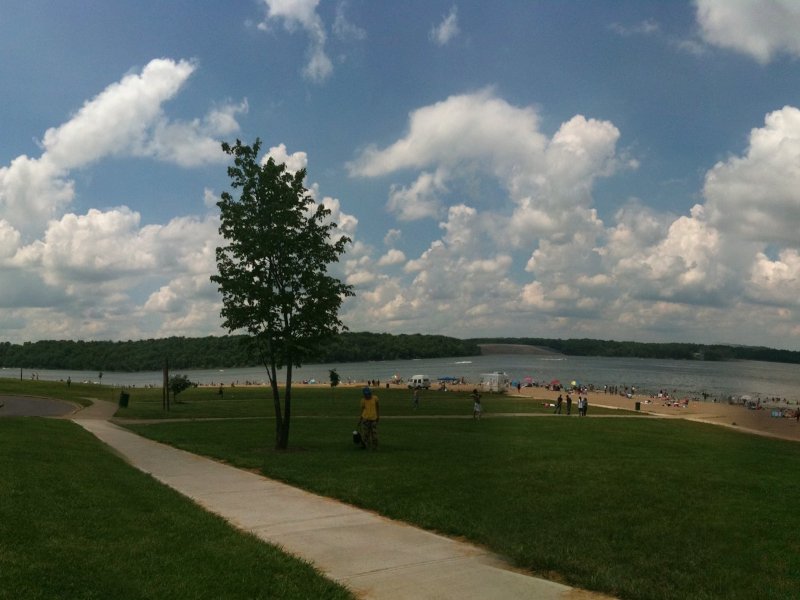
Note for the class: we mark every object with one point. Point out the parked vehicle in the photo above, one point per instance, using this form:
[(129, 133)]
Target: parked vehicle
[(419, 381), (494, 382)]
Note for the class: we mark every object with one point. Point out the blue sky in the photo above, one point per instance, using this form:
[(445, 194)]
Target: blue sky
[(622, 170)]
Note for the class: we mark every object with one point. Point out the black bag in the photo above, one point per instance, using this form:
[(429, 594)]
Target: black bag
[(357, 439)]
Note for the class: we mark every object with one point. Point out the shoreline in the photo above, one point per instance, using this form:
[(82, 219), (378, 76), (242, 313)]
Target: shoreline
[(737, 417)]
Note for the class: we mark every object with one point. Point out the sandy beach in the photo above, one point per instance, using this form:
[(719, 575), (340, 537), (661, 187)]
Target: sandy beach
[(734, 416)]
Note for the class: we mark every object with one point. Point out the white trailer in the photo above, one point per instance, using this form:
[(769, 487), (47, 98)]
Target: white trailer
[(419, 381), (494, 382)]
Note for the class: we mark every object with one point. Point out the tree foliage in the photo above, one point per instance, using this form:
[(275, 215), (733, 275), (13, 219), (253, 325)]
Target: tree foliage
[(236, 351), (219, 352), (179, 383), (334, 377), (673, 350), (273, 272)]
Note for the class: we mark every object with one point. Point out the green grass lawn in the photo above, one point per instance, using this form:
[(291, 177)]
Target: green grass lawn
[(205, 402), (77, 522), (318, 401), (638, 507), (80, 393), (641, 508)]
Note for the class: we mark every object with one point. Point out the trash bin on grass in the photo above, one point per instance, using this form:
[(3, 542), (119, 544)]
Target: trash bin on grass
[(638, 406), (124, 397)]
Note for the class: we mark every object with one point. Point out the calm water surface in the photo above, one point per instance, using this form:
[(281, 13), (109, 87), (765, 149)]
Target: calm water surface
[(692, 378)]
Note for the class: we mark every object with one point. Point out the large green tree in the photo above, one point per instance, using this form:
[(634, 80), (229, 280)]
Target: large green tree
[(273, 272)]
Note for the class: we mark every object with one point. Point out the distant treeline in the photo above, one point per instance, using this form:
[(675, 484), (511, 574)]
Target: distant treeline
[(218, 352), (587, 347), (228, 352)]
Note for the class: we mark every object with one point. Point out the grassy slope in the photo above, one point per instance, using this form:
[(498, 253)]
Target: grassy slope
[(80, 393), (641, 508), (77, 522)]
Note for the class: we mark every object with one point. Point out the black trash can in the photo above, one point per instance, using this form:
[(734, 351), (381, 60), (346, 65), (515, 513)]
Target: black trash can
[(123, 399), (638, 406)]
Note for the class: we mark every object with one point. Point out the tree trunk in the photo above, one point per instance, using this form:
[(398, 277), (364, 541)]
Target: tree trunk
[(276, 402), (282, 440)]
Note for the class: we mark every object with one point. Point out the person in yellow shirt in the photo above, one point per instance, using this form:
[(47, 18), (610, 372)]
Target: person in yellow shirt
[(370, 415)]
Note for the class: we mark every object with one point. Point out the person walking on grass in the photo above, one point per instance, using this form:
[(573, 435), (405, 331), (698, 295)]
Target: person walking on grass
[(569, 404), (415, 398), (370, 415), (477, 409), (559, 402)]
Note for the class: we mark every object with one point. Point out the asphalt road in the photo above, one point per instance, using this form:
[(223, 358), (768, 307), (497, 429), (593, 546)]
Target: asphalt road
[(26, 406)]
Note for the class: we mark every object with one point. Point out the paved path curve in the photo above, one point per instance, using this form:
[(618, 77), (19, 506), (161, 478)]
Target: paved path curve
[(374, 556), (30, 406)]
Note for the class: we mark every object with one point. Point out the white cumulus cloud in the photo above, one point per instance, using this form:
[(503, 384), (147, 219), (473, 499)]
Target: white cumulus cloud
[(420, 199), (294, 162), (303, 14), (776, 282), (757, 195), (392, 257), (759, 28), (539, 210), (125, 119), (118, 119)]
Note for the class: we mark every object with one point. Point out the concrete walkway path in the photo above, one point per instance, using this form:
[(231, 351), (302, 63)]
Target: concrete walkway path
[(373, 556)]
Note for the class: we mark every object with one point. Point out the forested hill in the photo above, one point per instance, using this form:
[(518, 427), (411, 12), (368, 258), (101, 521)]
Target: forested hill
[(588, 347), (227, 352), (218, 352)]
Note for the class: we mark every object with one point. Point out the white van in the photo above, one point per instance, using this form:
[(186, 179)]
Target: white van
[(419, 381)]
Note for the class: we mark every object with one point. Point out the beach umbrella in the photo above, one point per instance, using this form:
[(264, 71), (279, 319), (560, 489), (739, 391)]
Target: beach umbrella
[(555, 382), (528, 379)]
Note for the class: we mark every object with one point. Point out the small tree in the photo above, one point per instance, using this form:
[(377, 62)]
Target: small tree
[(178, 383), (272, 273), (334, 377)]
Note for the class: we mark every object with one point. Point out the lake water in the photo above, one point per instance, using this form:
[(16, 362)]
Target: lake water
[(692, 378)]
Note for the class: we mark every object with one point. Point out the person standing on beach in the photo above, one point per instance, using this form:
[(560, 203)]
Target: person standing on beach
[(569, 404), (370, 415)]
